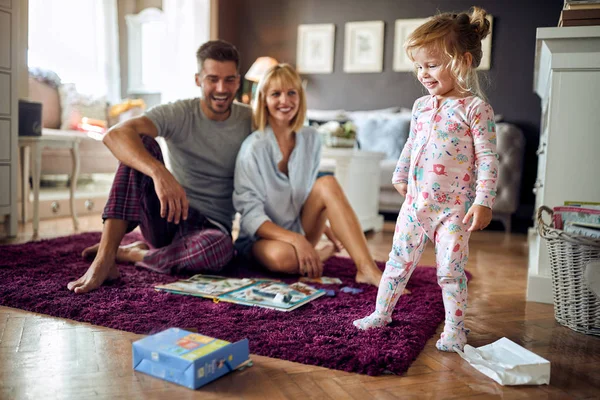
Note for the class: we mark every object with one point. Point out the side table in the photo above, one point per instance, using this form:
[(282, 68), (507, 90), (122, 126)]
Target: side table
[(33, 145), (358, 173)]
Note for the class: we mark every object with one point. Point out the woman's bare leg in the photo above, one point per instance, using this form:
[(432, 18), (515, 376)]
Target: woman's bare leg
[(278, 256), (328, 201)]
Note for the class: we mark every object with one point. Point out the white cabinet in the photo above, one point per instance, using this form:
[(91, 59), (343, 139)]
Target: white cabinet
[(358, 174), (567, 79), (8, 114)]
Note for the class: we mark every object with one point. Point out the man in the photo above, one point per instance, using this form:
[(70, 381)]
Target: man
[(185, 212)]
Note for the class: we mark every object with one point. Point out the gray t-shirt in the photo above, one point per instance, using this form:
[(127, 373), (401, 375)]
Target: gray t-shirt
[(202, 153)]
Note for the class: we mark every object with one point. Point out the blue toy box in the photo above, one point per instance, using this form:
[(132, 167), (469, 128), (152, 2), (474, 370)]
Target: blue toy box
[(187, 358)]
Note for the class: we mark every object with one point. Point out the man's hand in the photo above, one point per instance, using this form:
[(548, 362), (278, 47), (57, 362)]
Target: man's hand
[(402, 188), (309, 262), (174, 204), (482, 216)]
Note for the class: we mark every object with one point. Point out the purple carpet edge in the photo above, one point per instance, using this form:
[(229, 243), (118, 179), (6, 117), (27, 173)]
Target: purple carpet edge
[(34, 275)]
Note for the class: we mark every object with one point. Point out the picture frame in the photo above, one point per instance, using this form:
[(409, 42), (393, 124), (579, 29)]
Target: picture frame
[(404, 27), (315, 48), (363, 46), (486, 47)]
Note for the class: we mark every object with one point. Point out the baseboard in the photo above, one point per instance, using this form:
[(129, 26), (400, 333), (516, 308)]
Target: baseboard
[(539, 289)]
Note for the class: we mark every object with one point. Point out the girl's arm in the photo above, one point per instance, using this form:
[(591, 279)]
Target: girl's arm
[(403, 166), (483, 130)]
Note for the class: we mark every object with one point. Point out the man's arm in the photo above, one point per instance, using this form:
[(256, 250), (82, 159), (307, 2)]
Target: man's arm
[(125, 143)]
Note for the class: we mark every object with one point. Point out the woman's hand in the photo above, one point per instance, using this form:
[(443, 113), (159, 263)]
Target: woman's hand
[(482, 216), (309, 262), (402, 188)]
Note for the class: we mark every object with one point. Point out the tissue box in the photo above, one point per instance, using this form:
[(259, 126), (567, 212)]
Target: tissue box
[(187, 358)]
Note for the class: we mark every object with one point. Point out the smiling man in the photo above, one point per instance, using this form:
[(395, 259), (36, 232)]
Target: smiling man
[(184, 212)]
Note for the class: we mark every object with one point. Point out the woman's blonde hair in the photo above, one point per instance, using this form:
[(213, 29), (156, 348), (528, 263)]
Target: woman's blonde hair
[(454, 35), (281, 76)]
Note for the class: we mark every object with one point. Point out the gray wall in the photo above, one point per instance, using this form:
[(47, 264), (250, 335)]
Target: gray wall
[(269, 27)]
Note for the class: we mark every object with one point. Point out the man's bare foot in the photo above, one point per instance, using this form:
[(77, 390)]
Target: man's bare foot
[(127, 253), (99, 272), (369, 274), (326, 251)]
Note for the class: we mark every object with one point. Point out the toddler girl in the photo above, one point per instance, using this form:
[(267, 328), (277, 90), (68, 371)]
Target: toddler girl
[(447, 170)]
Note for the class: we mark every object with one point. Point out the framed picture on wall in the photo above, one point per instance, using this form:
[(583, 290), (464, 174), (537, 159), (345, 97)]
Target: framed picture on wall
[(314, 52), (486, 47), (363, 47), (405, 27)]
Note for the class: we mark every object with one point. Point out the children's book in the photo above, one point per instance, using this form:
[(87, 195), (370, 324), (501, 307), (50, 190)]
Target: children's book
[(564, 214), (260, 292), (583, 228)]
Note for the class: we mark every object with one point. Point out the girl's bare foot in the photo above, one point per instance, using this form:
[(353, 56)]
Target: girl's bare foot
[(127, 253)]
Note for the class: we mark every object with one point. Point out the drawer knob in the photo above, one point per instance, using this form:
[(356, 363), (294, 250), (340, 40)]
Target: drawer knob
[(55, 206), (89, 205)]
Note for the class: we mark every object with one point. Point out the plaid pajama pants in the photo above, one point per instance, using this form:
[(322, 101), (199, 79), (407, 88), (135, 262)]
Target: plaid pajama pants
[(192, 246)]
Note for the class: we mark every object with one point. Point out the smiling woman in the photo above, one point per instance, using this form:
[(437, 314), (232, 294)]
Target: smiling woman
[(284, 207)]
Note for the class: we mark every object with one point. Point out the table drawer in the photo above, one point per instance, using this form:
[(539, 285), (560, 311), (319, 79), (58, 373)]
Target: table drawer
[(5, 93), (4, 139), (6, 40), (4, 185)]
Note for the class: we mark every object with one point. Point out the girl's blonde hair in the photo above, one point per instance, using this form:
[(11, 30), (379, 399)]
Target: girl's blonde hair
[(281, 76), (454, 35)]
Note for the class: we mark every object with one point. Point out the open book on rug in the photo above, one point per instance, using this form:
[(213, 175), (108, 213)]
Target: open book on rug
[(259, 292)]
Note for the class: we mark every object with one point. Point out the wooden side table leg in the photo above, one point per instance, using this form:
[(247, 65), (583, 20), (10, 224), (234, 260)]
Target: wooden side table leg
[(25, 164), (36, 152), (74, 177)]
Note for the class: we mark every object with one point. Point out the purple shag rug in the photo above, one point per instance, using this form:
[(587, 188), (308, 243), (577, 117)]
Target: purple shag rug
[(34, 277)]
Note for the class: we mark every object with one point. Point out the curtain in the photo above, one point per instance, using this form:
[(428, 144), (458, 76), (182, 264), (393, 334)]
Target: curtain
[(187, 27), (78, 40)]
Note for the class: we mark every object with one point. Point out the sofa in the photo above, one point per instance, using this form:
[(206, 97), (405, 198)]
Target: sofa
[(386, 131)]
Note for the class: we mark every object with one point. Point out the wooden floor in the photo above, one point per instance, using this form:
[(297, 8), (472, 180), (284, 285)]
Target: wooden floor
[(52, 358)]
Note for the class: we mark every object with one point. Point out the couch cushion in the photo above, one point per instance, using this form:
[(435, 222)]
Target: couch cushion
[(386, 133)]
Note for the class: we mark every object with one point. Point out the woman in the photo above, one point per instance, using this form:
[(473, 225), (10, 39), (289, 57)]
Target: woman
[(283, 206)]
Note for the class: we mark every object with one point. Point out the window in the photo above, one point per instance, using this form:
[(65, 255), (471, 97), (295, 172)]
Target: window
[(78, 40)]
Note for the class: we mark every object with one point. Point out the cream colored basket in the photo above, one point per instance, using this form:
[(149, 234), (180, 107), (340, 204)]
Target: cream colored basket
[(575, 306)]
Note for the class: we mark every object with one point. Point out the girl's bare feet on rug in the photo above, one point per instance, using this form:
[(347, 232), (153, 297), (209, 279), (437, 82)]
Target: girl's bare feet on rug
[(127, 253), (368, 273), (99, 272)]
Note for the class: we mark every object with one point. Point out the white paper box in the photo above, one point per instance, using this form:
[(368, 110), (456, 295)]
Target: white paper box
[(508, 363)]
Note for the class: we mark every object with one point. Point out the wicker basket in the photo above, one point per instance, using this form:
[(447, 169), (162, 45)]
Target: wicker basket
[(575, 306)]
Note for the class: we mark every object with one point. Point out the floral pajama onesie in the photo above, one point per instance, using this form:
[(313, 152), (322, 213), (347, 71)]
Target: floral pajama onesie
[(449, 163)]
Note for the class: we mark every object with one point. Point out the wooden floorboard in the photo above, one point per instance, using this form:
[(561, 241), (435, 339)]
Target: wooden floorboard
[(53, 358)]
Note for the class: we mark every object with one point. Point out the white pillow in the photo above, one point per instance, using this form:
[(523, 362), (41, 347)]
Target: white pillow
[(372, 113), (326, 115)]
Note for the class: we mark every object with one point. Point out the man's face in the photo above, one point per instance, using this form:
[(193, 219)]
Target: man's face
[(219, 81)]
